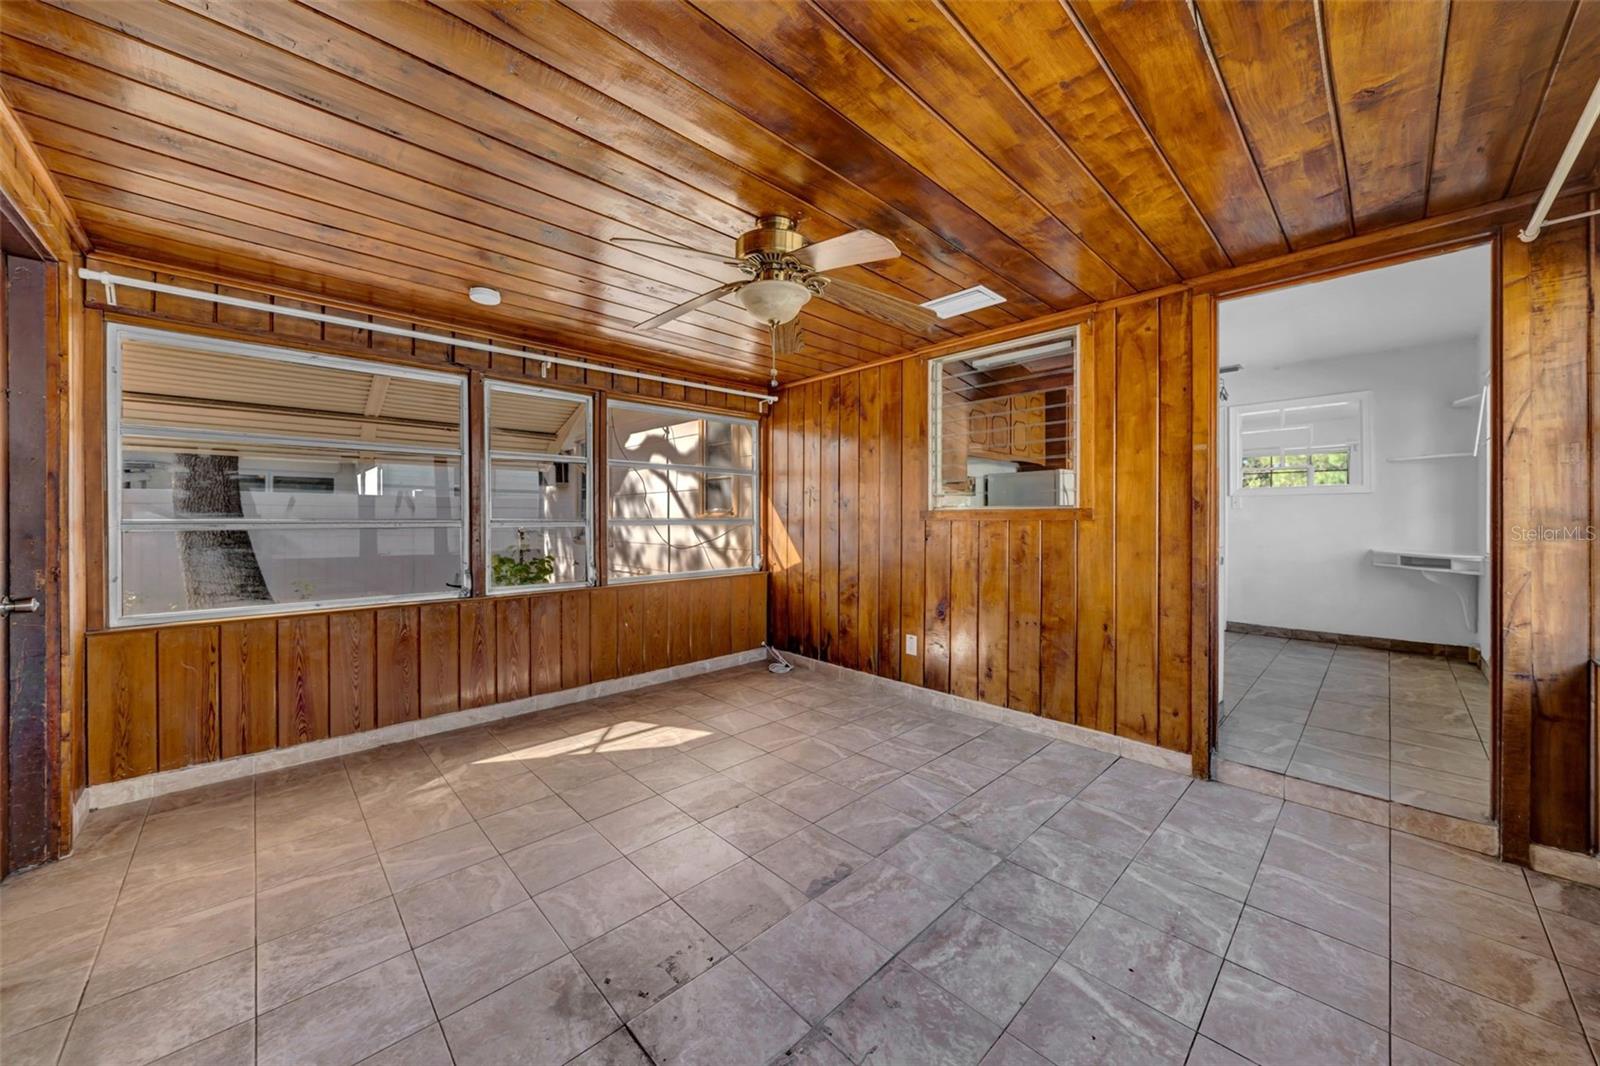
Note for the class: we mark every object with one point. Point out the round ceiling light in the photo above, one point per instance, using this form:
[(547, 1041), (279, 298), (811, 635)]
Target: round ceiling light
[(482, 294), (774, 301)]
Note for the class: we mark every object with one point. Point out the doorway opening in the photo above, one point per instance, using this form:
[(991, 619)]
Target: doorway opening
[(1355, 436)]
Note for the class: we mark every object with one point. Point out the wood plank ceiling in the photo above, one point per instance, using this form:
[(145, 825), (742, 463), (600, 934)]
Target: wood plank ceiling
[(392, 153)]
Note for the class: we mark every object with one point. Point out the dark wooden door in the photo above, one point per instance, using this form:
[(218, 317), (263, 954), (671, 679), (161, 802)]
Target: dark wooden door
[(26, 769)]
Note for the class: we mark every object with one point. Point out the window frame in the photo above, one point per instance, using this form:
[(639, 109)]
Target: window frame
[(936, 425), (586, 402), (119, 332), (754, 473), (1360, 450)]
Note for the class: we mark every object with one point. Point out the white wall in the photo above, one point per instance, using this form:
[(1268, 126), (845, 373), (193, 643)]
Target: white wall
[(1300, 561)]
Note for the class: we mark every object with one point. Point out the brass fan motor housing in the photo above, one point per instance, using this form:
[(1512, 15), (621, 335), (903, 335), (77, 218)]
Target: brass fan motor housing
[(774, 235)]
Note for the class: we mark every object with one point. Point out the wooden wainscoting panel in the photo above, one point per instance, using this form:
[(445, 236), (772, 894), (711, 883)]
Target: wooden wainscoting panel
[(399, 643), (302, 679), (603, 654), (1023, 604), (544, 632), (994, 593), (249, 686), (122, 706), (512, 651), (439, 658), (574, 638), (477, 644), (187, 711), (353, 668)]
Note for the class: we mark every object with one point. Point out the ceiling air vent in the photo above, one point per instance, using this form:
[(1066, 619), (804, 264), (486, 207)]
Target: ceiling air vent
[(965, 302)]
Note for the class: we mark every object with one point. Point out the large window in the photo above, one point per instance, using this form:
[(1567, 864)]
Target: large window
[(1317, 444), (682, 488), (249, 478), (1004, 425), (539, 512)]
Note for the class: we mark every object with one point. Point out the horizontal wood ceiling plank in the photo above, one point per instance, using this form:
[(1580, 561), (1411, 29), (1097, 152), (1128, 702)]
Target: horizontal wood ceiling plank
[(1385, 62), (719, 63), (459, 47), (1271, 59), (1498, 61), (1069, 88), (795, 37), (1558, 113), (938, 63), (1156, 53)]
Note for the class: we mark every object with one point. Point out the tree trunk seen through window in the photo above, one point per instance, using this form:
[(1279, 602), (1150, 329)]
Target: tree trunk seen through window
[(219, 566)]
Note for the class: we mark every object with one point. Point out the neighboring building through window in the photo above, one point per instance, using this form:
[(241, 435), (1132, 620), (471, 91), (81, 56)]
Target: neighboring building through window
[(1314, 444), (683, 490), (1004, 424), (249, 478), (539, 523)]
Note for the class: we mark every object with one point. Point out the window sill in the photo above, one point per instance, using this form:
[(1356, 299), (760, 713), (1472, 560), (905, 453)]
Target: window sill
[(995, 514)]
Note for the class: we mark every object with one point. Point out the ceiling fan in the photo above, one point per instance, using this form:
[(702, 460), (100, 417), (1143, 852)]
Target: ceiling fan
[(783, 272)]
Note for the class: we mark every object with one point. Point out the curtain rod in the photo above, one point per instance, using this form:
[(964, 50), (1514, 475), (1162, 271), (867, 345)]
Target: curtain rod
[(111, 281), (1558, 178)]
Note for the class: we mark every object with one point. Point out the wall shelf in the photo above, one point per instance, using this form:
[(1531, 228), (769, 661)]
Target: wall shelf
[(1435, 567)]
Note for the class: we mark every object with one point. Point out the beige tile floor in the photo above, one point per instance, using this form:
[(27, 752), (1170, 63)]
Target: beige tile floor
[(749, 869), (1408, 728)]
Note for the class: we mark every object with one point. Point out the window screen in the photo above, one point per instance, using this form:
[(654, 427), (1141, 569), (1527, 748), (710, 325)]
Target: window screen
[(1305, 445), (1005, 425), (251, 478), (539, 513), (683, 490)]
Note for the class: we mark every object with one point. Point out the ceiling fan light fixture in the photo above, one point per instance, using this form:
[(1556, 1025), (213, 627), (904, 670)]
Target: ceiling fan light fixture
[(772, 300)]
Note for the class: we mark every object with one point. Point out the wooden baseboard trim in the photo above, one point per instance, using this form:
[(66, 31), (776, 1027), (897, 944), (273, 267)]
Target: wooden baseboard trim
[(1462, 652)]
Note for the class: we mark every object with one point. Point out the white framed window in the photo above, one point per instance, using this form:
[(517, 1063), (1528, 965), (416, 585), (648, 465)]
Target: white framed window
[(682, 490), (538, 522), (1003, 424), (247, 479), (1303, 446)]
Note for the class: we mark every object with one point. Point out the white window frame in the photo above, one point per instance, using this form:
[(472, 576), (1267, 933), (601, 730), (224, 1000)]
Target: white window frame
[(117, 333), (936, 418), (1360, 450), (490, 386), (754, 473)]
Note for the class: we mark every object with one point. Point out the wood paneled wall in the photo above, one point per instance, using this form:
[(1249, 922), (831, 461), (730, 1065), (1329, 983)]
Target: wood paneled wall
[(161, 698), (1099, 617), (1549, 570)]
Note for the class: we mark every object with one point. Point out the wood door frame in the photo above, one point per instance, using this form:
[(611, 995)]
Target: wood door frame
[(29, 782), (1492, 239)]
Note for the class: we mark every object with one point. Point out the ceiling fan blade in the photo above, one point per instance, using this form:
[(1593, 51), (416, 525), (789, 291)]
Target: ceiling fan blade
[(682, 251), (911, 317), (689, 305), (860, 246), (787, 338)]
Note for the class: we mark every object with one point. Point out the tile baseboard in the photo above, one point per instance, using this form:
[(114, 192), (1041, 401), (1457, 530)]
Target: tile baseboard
[(115, 793), (1460, 652), (1570, 865), (1137, 750)]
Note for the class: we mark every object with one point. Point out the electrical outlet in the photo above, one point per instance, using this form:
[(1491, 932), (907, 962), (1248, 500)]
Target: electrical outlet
[(911, 644)]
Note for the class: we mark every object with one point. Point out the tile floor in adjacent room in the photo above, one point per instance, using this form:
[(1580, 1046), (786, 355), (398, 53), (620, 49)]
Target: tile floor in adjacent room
[(1408, 728), (753, 869)]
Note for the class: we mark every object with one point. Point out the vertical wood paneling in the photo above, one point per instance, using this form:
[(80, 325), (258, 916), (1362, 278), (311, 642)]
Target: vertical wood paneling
[(779, 535), (1058, 621), (1097, 652), (890, 642), (248, 696), (574, 639), (913, 502), (868, 513), (933, 587), (847, 646), (544, 642), (1138, 349), (438, 655), (1174, 545), (994, 631), (352, 672), (816, 431), (1203, 533), (187, 716), (400, 639), (630, 629), (603, 635), (1023, 602), (302, 679), (832, 417), (477, 648), (511, 648), (122, 706), (794, 578), (964, 609), (657, 626)]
